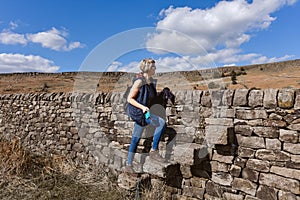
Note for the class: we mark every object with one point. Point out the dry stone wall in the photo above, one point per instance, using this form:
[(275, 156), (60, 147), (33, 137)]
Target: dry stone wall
[(220, 144)]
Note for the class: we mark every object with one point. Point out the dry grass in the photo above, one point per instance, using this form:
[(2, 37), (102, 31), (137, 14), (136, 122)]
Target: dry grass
[(272, 75), (27, 176)]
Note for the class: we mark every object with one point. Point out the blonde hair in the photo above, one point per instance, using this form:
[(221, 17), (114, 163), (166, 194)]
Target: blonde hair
[(146, 64)]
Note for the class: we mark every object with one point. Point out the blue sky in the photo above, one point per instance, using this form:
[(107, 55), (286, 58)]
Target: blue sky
[(98, 35)]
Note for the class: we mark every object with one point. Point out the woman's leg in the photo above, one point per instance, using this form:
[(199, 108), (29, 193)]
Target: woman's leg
[(137, 131), (160, 126)]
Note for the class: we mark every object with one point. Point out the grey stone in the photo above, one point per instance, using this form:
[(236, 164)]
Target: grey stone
[(272, 155), (286, 98), (222, 178), (297, 101), (270, 98), (258, 165), (251, 142), (219, 121), (288, 136), (273, 144), (246, 152), (256, 98), (230, 196), (222, 158), (251, 114), (184, 153), (240, 97), (282, 195), (245, 130), (154, 167), (218, 167), (244, 185), (292, 148), (264, 192), (216, 134), (235, 170), (268, 132), (227, 97), (280, 182), (286, 172), (250, 174)]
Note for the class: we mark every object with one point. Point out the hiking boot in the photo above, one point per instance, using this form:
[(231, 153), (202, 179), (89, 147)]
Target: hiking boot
[(155, 156), (129, 169)]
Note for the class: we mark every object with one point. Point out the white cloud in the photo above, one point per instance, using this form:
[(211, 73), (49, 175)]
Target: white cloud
[(216, 33), (25, 63), (8, 37), (13, 25), (53, 39), (114, 66), (264, 59)]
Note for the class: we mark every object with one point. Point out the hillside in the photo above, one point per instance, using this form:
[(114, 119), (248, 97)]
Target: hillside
[(271, 75)]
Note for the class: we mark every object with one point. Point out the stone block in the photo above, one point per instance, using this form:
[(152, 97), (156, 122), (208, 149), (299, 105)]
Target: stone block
[(198, 182), (240, 97), (265, 192), (196, 96), (154, 167), (222, 158), (272, 155), (218, 167), (292, 148), (219, 121), (250, 174), (246, 152), (258, 165), (251, 198), (286, 172), (282, 195), (230, 196), (256, 98), (186, 171), (221, 112), (245, 130), (286, 98), (268, 132), (185, 153), (216, 134), (235, 170), (244, 185), (216, 97), (251, 114), (270, 98), (280, 182), (227, 97), (222, 178), (273, 144), (288, 136), (206, 99), (251, 142), (297, 100), (211, 197)]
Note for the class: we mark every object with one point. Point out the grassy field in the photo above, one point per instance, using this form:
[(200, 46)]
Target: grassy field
[(273, 75)]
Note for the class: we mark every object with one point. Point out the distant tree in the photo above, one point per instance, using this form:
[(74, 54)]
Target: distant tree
[(233, 77)]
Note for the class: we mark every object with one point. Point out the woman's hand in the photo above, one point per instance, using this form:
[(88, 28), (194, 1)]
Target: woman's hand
[(145, 109)]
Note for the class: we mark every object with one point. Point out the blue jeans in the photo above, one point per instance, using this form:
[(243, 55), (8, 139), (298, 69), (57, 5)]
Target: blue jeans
[(154, 120)]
